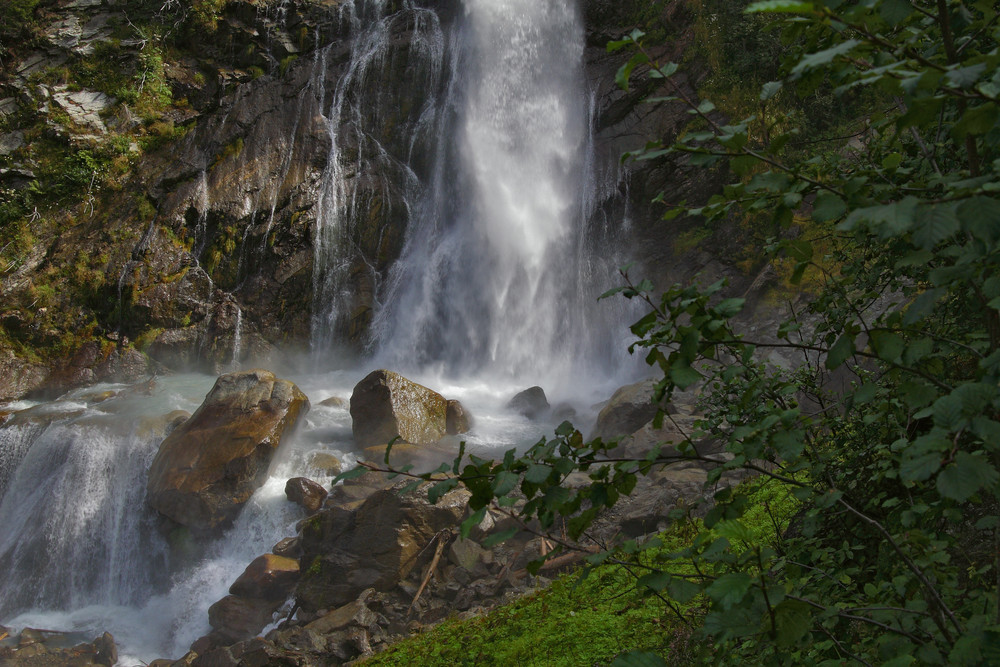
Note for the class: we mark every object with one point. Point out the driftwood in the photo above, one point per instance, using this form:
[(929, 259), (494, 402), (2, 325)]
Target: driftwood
[(430, 570)]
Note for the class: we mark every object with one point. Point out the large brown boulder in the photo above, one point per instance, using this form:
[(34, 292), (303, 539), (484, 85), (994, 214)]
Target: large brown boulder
[(345, 551), (628, 409), (305, 492), (209, 466), (385, 405), (234, 618), (268, 577)]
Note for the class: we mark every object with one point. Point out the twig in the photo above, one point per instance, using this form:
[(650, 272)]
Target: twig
[(430, 570)]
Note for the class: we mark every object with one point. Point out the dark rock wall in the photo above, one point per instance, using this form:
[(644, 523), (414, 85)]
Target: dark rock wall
[(213, 235)]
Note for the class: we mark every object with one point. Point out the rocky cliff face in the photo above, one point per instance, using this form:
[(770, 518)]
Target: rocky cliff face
[(190, 230)]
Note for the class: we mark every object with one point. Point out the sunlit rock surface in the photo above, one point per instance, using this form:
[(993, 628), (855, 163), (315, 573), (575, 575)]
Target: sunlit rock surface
[(385, 405), (209, 466)]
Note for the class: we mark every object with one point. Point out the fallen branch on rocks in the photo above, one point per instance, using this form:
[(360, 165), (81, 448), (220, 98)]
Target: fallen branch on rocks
[(441, 542)]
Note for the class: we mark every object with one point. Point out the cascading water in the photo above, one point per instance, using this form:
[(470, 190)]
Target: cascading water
[(503, 257), (79, 547)]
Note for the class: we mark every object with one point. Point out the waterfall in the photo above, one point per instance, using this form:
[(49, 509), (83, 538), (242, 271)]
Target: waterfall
[(503, 256), (376, 132), (74, 533)]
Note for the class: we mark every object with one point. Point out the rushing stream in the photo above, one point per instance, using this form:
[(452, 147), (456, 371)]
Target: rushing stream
[(495, 290)]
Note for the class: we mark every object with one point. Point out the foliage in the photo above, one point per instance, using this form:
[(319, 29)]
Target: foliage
[(888, 430)]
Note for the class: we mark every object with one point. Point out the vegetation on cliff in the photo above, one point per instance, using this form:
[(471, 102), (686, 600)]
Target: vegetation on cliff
[(887, 430)]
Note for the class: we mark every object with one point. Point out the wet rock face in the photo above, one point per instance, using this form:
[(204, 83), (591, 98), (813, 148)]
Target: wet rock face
[(629, 408), (305, 492), (531, 403), (209, 466), (268, 577), (44, 648), (385, 405)]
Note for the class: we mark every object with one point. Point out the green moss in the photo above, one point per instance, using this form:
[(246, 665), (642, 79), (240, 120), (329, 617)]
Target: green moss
[(231, 150), (591, 620), (147, 337), (286, 62), (687, 241)]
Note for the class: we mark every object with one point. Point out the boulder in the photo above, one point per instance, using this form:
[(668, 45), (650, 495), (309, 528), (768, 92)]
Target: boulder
[(457, 419), (268, 577), (326, 463), (209, 466), (355, 612), (43, 648), (236, 618), (385, 405), (289, 547), (336, 402), (628, 409), (305, 492), (530, 403), (376, 545)]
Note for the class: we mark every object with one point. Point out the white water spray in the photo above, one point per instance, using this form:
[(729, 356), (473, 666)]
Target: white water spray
[(503, 262)]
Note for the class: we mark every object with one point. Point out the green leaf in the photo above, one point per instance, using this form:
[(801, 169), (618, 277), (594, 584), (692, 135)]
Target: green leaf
[(887, 345), (887, 221), (354, 473), (537, 473), (438, 490), (965, 77), (734, 529), (654, 581), (730, 307), (792, 620), (935, 223), (743, 164), (770, 89), (947, 412), (828, 206), (625, 72), (980, 216), (976, 121), (895, 12), (729, 589), (966, 476), (919, 468), (505, 482), (472, 522), (820, 58), (865, 394), (683, 375), (922, 306), (841, 351), (682, 590)]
